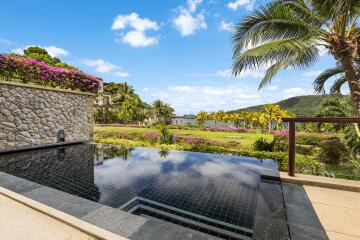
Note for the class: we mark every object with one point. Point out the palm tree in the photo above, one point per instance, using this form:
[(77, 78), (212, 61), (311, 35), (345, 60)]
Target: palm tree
[(124, 95), (270, 111), (342, 107), (327, 75), (162, 111), (290, 33), (201, 117)]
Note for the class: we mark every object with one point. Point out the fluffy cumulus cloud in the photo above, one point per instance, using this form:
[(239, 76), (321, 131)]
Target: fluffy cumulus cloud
[(191, 99), (256, 73), (104, 67), (134, 30), (311, 74), (226, 26), (295, 91), (247, 4), (52, 50), (188, 21)]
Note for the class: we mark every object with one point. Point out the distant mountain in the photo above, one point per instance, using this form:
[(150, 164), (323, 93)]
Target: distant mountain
[(302, 105)]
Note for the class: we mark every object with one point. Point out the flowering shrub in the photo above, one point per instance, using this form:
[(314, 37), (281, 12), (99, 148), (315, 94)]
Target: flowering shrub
[(221, 129), (332, 151), (151, 135), (28, 70), (194, 140), (304, 138)]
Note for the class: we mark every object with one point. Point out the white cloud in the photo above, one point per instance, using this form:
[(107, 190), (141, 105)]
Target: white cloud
[(248, 4), (226, 26), (139, 39), (272, 88), (56, 51), (52, 50), (5, 41), (191, 99), (311, 74), (257, 73), (137, 35), (121, 74), (187, 22), (295, 91), (104, 67), (100, 65)]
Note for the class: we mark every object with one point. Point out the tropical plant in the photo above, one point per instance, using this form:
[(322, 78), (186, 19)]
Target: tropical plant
[(166, 137), (337, 106), (162, 111), (292, 33), (28, 70), (201, 117), (42, 55), (336, 72)]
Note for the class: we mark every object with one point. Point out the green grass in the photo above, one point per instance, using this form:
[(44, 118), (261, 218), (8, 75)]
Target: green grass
[(219, 142), (245, 139)]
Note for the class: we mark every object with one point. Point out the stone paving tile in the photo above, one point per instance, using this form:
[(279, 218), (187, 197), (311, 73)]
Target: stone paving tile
[(115, 220), (339, 219), (17, 184), (340, 236), (71, 204), (333, 197)]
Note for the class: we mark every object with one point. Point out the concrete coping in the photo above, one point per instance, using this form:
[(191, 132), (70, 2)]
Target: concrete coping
[(92, 230), (16, 84), (324, 182)]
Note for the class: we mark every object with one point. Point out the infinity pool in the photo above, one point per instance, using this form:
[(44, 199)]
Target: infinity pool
[(211, 193)]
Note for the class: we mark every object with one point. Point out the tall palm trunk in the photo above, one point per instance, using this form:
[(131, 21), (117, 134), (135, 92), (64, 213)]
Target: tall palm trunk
[(353, 82)]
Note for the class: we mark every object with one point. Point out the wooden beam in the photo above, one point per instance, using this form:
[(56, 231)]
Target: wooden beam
[(321, 120), (291, 163)]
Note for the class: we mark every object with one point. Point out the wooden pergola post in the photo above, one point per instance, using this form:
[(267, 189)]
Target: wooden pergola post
[(292, 121), (291, 163)]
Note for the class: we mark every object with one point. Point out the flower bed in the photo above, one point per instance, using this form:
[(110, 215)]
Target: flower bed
[(28, 70), (222, 129)]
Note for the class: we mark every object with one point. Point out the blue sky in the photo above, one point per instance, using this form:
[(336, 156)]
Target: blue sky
[(179, 51)]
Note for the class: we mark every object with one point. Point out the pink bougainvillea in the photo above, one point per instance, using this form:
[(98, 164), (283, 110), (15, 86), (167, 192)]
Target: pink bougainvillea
[(28, 70)]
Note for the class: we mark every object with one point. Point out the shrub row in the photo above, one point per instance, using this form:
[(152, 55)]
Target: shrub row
[(28, 70)]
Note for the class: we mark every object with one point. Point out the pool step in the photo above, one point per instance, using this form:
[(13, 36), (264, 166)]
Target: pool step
[(142, 206)]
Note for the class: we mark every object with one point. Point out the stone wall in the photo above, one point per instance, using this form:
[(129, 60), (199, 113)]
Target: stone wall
[(32, 115)]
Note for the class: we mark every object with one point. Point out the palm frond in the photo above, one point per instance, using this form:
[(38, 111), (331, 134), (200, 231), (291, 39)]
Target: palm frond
[(336, 87), (272, 22), (319, 82)]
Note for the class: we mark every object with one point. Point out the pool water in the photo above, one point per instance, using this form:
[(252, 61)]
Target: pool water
[(211, 193)]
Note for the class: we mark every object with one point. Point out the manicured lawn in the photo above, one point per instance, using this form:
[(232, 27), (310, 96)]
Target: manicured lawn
[(245, 139)]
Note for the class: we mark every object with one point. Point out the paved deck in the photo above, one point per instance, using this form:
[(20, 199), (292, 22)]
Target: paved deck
[(18, 221), (338, 211), (336, 203)]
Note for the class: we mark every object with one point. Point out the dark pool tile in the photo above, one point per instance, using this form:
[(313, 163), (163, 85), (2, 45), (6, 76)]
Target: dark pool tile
[(161, 230), (301, 232), (270, 218), (302, 218), (294, 193), (270, 202), (114, 220), (62, 201), (270, 229), (16, 184)]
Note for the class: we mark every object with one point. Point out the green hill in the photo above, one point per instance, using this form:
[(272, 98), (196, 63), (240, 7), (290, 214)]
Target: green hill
[(301, 105)]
